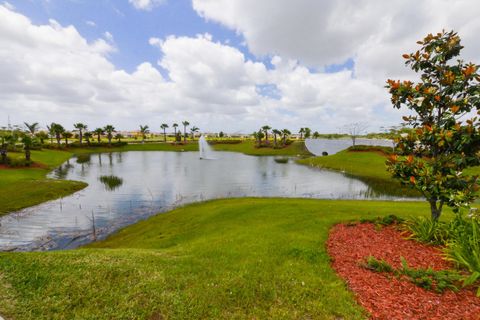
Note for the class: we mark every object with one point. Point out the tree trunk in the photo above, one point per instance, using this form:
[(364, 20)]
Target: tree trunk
[(80, 136), (436, 209), (27, 154), (275, 139), (164, 136), (58, 139), (185, 134)]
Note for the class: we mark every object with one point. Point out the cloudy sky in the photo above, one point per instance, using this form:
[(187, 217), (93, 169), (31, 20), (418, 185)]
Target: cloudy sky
[(231, 65)]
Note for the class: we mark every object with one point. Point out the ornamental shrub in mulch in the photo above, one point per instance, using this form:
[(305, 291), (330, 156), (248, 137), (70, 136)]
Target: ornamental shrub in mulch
[(385, 296)]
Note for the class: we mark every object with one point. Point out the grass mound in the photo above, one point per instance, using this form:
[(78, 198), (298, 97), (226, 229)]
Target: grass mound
[(236, 258)]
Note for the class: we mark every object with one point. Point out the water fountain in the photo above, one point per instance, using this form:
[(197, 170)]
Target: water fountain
[(205, 150)]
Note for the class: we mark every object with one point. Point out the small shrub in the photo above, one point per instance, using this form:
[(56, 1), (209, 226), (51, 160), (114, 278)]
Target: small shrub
[(428, 230), (384, 221), (376, 265), (324, 153), (18, 162), (429, 279), (463, 248), (83, 158), (224, 141), (385, 150), (111, 182), (281, 160)]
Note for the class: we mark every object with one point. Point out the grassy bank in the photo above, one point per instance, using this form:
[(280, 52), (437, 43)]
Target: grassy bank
[(297, 148), (359, 164), (24, 187), (237, 258)]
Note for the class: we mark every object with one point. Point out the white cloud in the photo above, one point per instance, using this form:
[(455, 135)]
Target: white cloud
[(146, 5), (374, 33), (320, 33), (51, 73), (90, 23), (108, 36)]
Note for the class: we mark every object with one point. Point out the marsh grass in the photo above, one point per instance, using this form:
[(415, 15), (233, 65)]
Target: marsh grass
[(111, 182)]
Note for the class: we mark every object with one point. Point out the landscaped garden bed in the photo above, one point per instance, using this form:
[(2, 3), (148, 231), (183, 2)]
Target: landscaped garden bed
[(386, 295)]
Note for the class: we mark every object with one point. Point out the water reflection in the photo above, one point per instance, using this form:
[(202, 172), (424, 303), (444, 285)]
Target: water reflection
[(140, 184)]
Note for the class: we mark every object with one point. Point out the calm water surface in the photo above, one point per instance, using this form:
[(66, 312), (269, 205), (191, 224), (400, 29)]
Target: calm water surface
[(146, 183)]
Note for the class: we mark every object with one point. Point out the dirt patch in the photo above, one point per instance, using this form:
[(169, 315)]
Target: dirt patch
[(384, 296)]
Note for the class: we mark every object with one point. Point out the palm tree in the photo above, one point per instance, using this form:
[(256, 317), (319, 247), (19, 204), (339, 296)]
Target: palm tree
[(109, 129), (87, 135), (275, 133), (51, 133), (193, 130), (164, 126), (175, 125), (265, 129), (27, 144), (3, 147), (119, 137), (32, 128), (81, 128), (285, 133), (308, 132), (301, 131), (67, 135), (144, 130), (185, 125), (42, 135), (99, 132), (58, 131)]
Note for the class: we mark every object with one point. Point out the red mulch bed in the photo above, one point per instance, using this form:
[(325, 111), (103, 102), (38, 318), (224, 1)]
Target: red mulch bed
[(384, 296)]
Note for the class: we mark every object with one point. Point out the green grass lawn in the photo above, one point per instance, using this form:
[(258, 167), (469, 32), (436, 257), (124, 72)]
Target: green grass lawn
[(247, 258), (297, 148), (360, 164), (21, 188)]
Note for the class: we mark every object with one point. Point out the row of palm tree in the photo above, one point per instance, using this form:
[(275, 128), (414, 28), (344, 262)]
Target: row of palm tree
[(263, 132), (57, 131)]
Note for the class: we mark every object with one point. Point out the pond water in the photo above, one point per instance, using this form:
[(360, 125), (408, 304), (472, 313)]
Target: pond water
[(130, 186), (332, 146)]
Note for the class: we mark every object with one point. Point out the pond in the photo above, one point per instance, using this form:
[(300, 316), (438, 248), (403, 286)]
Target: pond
[(127, 187), (332, 146)]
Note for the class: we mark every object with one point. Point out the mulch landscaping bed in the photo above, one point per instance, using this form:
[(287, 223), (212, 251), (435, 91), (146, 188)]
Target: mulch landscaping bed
[(383, 295)]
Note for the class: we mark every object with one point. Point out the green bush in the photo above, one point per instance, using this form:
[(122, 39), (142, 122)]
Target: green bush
[(463, 248), (384, 221), (281, 160), (429, 279), (428, 231), (386, 150), (18, 162), (224, 141)]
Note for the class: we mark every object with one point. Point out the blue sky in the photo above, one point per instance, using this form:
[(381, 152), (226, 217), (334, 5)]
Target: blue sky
[(131, 28), (230, 65)]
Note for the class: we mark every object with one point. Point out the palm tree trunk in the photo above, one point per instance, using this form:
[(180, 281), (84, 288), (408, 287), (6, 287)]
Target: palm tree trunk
[(164, 136), (185, 134), (27, 153)]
